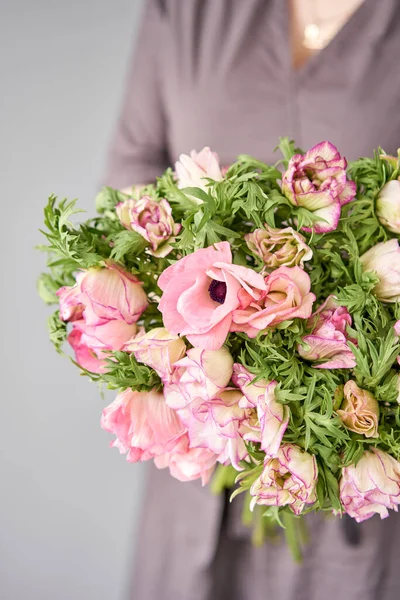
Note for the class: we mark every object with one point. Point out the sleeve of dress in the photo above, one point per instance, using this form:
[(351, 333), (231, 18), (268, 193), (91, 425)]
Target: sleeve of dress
[(138, 149)]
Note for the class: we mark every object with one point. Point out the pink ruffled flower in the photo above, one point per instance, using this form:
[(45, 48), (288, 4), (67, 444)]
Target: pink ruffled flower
[(193, 170), (273, 417), (328, 339), (220, 425), (317, 181), (372, 486), (105, 294), (104, 306), (287, 480), (157, 349), (200, 374), (209, 410), (186, 463), (287, 296), (217, 424), (152, 220), (143, 424), (383, 259), (278, 247), (201, 292), (93, 344)]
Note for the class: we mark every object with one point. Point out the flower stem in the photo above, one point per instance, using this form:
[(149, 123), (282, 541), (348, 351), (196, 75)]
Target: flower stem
[(292, 535), (224, 478)]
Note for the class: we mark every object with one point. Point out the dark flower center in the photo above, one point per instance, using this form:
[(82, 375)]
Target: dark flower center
[(217, 291)]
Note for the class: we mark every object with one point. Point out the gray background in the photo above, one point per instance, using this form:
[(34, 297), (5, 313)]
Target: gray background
[(68, 503)]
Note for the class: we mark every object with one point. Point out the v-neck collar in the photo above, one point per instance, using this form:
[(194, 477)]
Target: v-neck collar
[(320, 57)]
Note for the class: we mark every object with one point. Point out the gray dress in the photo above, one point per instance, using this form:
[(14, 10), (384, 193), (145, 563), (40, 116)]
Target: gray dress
[(218, 73)]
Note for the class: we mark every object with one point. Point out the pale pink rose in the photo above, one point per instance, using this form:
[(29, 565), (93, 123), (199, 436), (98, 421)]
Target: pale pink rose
[(287, 296), (384, 260), (217, 424), (186, 463), (193, 170), (278, 247), (92, 344), (157, 349), (273, 417), (201, 292), (317, 181), (104, 294), (143, 424), (108, 302), (359, 410), (327, 341), (372, 486), (152, 220), (200, 374), (388, 206), (289, 479)]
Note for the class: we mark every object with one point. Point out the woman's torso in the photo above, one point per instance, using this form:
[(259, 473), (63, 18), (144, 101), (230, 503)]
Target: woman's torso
[(225, 80)]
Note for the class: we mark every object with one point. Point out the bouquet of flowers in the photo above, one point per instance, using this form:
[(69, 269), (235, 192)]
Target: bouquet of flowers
[(249, 318)]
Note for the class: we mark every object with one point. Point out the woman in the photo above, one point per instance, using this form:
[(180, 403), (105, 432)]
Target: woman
[(235, 75)]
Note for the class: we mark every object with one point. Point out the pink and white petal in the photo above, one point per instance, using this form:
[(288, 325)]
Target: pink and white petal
[(348, 193), (324, 150), (328, 219)]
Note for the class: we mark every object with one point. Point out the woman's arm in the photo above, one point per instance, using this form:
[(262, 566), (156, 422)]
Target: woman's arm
[(138, 150)]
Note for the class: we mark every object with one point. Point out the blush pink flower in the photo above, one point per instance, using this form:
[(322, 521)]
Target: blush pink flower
[(201, 292), (287, 296), (193, 170), (186, 463), (327, 341), (200, 374), (143, 424), (278, 247), (289, 479), (92, 344), (157, 349), (383, 259), (104, 294), (372, 486), (273, 417), (317, 181), (217, 424), (104, 306), (152, 220), (359, 410)]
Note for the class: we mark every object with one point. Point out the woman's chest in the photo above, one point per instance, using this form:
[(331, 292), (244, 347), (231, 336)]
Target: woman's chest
[(227, 81)]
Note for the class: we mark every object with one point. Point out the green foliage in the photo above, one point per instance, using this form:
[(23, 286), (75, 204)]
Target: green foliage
[(123, 371), (69, 246), (106, 201), (57, 331), (127, 242)]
